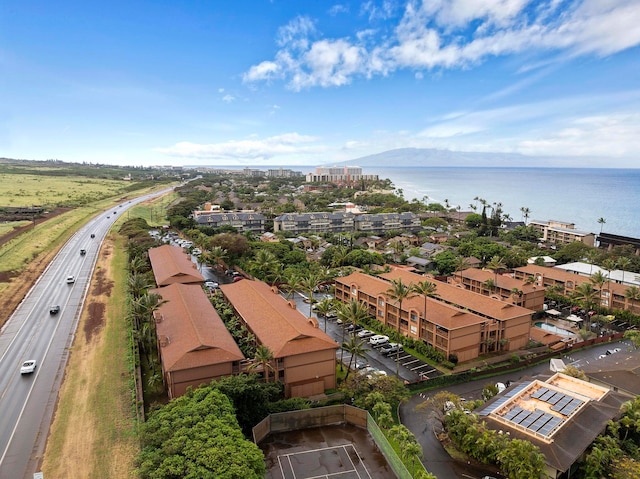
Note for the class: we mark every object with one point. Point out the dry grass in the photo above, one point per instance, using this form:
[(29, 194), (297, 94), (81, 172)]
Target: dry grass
[(93, 433)]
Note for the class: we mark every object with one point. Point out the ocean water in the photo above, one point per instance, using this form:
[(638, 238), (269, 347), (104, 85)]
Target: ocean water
[(576, 195)]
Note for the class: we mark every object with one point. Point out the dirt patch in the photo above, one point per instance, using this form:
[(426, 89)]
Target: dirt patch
[(101, 284), (41, 219), (94, 321)]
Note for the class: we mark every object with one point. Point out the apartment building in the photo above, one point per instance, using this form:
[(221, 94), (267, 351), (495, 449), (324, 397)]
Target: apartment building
[(171, 264), (342, 222), (612, 295), (194, 345), (322, 222), (242, 221), (304, 357), (501, 287), (455, 321), (561, 232)]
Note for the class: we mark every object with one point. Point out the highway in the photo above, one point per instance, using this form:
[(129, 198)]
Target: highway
[(27, 402)]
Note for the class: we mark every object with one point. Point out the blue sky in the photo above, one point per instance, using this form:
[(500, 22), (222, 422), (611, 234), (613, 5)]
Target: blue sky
[(315, 82)]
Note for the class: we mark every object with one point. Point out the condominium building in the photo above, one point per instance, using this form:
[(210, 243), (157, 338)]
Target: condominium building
[(338, 174), (454, 321), (242, 221), (341, 222), (561, 232)]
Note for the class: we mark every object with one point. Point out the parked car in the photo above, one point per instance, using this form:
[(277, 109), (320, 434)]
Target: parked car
[(371, 372), (390, 348), (28, 366), (331, 315), (378, 340), (352, 328), (54, 309), (211, 284), (365, 333), (71, 279), (237, 278)]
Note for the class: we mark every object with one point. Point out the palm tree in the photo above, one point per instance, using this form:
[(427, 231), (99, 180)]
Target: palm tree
[(425, 288), (263, 358), (598, 279), (293, 281), (138, 284), (489, 284), (632, 293), (323, 308), (399, 292), (352, 312), (216, 255), (609, 264), (601, 221), (263, 265), (496, 264), (586, 295), (310, 283), (356, 347), (460, 264), (525, 214)]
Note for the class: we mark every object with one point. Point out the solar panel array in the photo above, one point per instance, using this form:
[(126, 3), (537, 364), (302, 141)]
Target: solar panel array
[(562, 403), (536, 420)]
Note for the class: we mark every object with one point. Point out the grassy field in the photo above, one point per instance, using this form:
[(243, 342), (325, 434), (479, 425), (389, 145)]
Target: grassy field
[(18, 189)]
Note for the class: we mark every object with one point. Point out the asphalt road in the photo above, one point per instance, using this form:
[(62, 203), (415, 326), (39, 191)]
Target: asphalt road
[(27, 402)]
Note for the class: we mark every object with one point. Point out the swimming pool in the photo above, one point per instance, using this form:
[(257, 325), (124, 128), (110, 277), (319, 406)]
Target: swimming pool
[(553, 329)]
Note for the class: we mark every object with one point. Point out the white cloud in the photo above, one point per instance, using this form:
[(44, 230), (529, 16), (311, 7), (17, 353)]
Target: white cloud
[(252, 149), (228, 98), (450, 34), (338, 9)]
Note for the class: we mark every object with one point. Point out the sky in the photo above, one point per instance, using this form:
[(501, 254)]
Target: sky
[(290, 82)]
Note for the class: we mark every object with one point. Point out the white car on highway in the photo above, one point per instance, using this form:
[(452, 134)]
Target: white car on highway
[(28, 366)]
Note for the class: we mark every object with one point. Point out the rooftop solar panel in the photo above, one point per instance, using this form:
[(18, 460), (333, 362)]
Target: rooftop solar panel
[(539, 393), (555, 398), (521, 416), (492, 407), (572, 406), (541, 421), (545, 397), (550, 426), (516, 389), (562, 403), (512, 413), (534, 416)]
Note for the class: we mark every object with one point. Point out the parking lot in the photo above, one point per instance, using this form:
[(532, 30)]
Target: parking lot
[(410, 368)]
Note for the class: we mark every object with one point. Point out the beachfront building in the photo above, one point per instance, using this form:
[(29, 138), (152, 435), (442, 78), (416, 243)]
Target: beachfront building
[(559, 414), (455, 321), (609, 241), (194, 345), (611, 295), (385, 222), (561, 232), (304, 357), (171, 264), (628, 278), (339, 175), (501, 287)]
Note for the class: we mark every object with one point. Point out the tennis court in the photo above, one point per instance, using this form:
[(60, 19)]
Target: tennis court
[(327, 452)]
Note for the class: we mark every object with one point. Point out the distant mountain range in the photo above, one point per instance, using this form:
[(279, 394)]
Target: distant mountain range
[(406, 157)]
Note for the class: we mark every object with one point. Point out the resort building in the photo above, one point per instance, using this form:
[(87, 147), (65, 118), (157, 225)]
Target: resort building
[(561, 232), (171, 265), (304, 357), (454, 321), (560, 414), (339, 175), (384, 222), (609, 241), (194, 345), (628, 278), (501, 287)]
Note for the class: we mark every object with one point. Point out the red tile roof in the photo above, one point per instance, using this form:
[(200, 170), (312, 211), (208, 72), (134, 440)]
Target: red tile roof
[(190, 331), (476, 302), (274, 321), (171, 265), (501, 281)]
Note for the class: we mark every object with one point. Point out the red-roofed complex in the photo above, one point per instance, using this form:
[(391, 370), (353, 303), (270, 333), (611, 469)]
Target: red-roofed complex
[(193, 342), (457, 321), (304, 356), (172, 265)]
